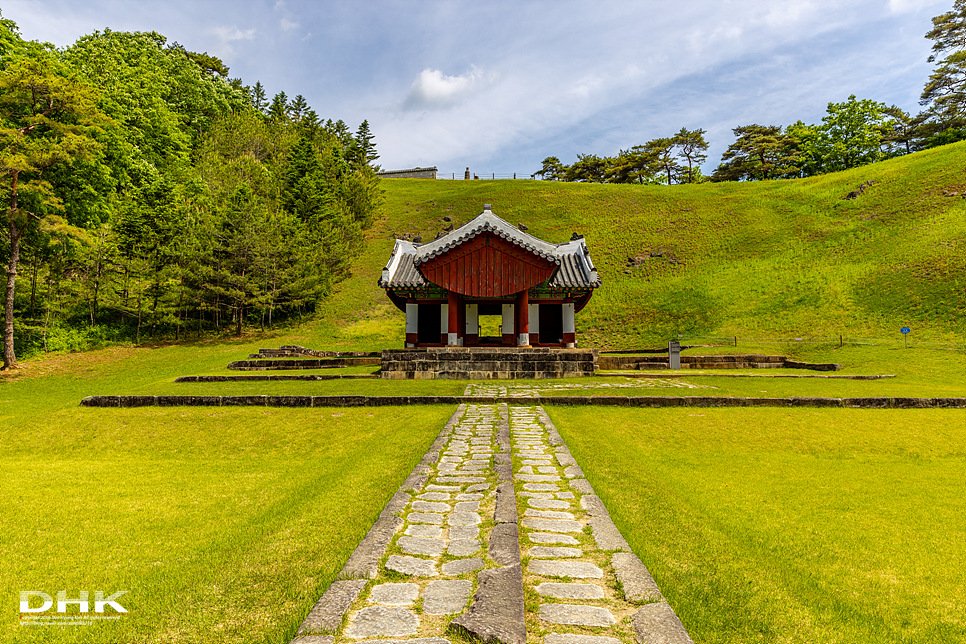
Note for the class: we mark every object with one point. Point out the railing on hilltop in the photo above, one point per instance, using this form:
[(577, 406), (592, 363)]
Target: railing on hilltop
[(485, 176), (837, 340)]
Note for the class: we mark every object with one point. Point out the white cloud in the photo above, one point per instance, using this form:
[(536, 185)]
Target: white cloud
[(288, 25), (433, 90), (226, 36)]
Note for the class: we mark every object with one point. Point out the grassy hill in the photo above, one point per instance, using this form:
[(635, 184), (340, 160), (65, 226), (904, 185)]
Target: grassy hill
[(786, 258)]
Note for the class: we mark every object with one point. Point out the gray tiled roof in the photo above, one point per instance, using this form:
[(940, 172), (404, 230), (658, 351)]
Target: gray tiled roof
[(575, 268), (487, 221)]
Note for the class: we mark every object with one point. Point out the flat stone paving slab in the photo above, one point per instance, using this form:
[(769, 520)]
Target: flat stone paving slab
[(547, 551), (460, 566), (570, 638), (432, 531), (422, 546), (434, 496), (460, 479), (433, 487), (467, 506), (537, 478), (374, 621), (464, 518), (576, 615), (446, 596), (412, 566), (541, 487), (464, 532), (415, 640), (570, 591), (572, 569), (394, 594), (547, 504), (543, 537), (430, 506), (552, 525), (425, 517), (463, 547), (549, 514)]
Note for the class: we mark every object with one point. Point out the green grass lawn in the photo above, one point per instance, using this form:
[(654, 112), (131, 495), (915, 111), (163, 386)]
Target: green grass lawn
[(224, 524), (804, 525)]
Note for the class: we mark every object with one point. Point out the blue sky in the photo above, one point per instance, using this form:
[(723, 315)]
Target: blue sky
[(498, 86)]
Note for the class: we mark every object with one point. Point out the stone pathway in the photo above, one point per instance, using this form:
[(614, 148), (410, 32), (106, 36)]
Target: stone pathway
[(446, 559), (446, 542), (592, 589), (524, 390)]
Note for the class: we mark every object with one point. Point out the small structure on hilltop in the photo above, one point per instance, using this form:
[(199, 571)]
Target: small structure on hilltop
[(489, 268), (410, 173)]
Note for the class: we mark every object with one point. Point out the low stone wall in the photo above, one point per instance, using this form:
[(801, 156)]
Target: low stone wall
[(741, 361), (604, 401), (462, 363), (300, 363)]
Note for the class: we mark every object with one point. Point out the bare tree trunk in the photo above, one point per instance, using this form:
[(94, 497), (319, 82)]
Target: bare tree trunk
[(33, 289), (9, 357), (137, 338)]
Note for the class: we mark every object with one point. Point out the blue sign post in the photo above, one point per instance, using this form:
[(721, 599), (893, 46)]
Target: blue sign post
[(905, 335)]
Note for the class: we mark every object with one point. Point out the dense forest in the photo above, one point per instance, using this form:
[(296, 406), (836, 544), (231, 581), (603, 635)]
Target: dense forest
[(149, 195)]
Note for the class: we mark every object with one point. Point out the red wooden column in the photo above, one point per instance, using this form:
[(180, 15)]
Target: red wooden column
[(453, 310), (523, 318)]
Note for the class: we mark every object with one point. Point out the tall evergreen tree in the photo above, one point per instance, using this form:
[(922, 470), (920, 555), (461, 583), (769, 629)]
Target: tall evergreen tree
[(945, 91), (760, 152), (692, 148), (48, 119)]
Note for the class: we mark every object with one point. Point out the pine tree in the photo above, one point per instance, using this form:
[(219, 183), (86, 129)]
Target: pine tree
[(945, 91)]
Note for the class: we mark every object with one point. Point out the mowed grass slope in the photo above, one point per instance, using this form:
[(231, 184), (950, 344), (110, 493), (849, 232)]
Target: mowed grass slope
[(786, 258)]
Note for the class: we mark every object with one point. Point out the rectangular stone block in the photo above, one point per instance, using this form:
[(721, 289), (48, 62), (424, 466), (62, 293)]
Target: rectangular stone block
[(138, 401), (246, 401), (289, 401)]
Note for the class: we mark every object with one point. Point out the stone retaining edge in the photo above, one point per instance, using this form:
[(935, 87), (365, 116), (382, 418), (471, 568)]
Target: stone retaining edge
[(651, 624), (274, 377), (363, 564), (608, 401)]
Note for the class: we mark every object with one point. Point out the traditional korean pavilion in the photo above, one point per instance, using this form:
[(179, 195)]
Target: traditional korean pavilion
[(490, 267)]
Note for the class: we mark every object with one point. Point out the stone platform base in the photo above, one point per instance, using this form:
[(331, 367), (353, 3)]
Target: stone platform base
[(463, 363)]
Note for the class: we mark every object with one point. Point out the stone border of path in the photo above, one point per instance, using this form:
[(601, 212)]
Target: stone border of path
[(363, 564), (606, 401)]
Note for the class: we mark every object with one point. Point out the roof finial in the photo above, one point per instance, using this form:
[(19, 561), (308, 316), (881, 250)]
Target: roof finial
[(486, 206)]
